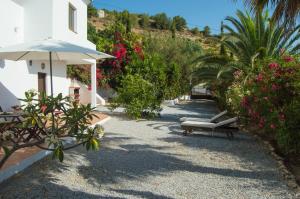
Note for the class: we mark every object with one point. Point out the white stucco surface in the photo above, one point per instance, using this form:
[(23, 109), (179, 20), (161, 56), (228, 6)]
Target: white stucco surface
[(30, 20)]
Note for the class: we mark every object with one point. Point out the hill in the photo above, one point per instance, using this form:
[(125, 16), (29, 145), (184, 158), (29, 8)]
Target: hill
[(208, 42)]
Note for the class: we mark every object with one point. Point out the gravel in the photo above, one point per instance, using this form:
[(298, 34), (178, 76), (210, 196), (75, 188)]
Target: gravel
[(151, 159)]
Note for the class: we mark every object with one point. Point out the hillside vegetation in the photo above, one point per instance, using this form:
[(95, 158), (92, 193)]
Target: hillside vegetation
[(159, 25)]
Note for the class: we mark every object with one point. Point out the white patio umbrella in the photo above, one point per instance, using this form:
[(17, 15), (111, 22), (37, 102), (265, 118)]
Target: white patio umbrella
[(52, 50)]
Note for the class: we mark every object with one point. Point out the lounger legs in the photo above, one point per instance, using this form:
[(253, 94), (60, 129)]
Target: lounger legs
[(187, 131)]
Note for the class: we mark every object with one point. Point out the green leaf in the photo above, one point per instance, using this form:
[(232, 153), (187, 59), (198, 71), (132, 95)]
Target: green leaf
[(61, 155), (87, 146), (58, 153), (6, 150), (95, 144)]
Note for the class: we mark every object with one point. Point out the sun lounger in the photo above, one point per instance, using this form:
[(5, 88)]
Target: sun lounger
[(226, 126), (213, 119)]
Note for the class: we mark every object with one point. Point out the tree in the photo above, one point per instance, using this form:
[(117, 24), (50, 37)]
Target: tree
[(285, 11), (195, 31), (173, 30), (222, 48), (249, 39), (177, 52), (206, 31), (256, 37), (92, 11), (161, 21), (48, 121), (125, 19), (179, 23), (144, 21), (92, 33)]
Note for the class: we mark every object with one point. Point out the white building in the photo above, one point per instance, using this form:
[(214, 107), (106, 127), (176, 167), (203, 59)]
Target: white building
[(30, 20), (101, 13)]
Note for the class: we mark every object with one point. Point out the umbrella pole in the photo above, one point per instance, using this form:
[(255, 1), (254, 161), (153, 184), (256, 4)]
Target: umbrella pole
[(51, 75), (51, 84)]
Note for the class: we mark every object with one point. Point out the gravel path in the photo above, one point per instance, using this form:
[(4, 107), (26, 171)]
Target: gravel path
[(151, 159)]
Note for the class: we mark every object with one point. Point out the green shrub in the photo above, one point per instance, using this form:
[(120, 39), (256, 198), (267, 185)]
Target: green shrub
[(271, 101), (137, 96)]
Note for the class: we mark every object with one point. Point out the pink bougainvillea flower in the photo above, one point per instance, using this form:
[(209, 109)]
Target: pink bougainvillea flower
[(288, 59), (99, 74), (273, 66)]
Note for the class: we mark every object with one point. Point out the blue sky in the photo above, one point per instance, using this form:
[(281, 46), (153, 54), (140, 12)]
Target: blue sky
[(197, 12)]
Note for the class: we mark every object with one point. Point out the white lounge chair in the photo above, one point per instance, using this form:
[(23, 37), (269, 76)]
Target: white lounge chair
[(213, 119), (189, 126)]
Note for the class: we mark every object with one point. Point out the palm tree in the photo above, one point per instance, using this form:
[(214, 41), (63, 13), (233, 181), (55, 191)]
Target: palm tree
[(257, 37), (248, 38), (286, 11)]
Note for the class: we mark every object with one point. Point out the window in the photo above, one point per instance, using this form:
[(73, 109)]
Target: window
[(72, 18)]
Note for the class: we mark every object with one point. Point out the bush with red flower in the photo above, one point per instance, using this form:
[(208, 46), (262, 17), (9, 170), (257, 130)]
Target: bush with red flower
[(125, 46), (270, 101)]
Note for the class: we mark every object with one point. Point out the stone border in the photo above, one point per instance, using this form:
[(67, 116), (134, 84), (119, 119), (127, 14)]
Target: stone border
[(13, 170), (285, 173)]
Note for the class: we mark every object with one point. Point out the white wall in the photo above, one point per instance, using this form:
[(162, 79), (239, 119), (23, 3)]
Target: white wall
[(11, 21), (18, 77), (27, 20), (38, 19), (61, 22)]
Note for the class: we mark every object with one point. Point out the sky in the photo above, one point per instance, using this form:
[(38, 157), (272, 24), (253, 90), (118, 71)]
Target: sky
[(198, 13)]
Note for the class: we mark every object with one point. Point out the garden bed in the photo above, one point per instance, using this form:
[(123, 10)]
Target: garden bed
[(289, 164)]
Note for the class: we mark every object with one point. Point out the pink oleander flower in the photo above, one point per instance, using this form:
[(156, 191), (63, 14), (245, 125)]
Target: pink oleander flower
[(245, 102), (274, 87), (262, 123), (259, 77), (290, 70), (237, 74), (288, 59), (281, 117), (264, 89), (273, 66), (272, 126)]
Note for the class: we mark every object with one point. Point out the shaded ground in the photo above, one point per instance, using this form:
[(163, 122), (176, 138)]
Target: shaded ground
[(151, 159)]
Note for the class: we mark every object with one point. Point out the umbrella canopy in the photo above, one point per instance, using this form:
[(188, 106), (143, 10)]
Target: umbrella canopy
[(39, 50), (52, 50)]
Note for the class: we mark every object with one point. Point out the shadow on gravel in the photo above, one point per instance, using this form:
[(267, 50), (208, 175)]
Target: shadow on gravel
[(137, 161), (141, 194), (121, 160)]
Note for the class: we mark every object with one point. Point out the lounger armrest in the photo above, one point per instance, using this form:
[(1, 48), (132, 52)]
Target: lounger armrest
[(218, 116), (227, 122)]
